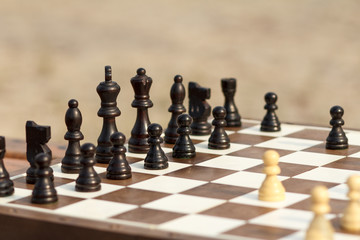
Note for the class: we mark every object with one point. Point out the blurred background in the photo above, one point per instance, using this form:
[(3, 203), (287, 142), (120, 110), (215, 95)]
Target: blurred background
[(308, 52)]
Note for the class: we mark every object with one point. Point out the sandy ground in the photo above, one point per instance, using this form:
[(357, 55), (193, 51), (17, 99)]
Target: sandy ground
[(308, 52)]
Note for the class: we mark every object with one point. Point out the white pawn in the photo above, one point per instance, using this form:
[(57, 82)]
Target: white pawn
[(351, 218), (320, 228), (271, 189)]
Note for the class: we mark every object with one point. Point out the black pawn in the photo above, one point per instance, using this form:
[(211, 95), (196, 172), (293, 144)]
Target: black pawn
[(337, 138), (155, 158), (108, 92), (199, 109), (184, 147), (177, 95), (6, 185), (88, 180), (270, 123), (118, 168), (141, 83), (44, 189), (73, 119), (219, 138), (228, 86)]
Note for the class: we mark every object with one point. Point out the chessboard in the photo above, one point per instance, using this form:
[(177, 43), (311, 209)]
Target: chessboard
[(211, 196)]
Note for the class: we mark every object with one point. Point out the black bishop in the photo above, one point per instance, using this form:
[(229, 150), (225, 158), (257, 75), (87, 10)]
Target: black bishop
[(73, 119), (177, 94)]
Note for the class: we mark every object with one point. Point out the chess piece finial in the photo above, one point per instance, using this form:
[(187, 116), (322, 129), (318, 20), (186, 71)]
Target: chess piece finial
[(44, 189), (184, 147), (271, 189), (73, 119), (108, 92), (270, 123), (177, 94), (320, 227), (219, 138), (37, 138), (350, 221), (6, 185), (88, 180), (118, 168), (199, 109), (337, 138), (155, 158), (233, 118), (141, 83)]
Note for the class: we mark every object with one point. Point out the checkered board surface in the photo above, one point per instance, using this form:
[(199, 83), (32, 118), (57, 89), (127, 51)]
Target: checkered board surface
[(214, 195)]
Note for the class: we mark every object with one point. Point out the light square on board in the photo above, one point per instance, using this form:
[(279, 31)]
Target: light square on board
[(287, 218), (95, 209), (167, 184), (174, 166), (201, 225), (252, 199), (203, 147), (18, 194), (310, 158), (327, 174), (300, 235), (285, 130), (206, 137), (245, 179), (353, 138), (231, 162), (69, 190), (58, 173), (201, 173), (183, 203), (355, 155), (295, 144), (339, 192)]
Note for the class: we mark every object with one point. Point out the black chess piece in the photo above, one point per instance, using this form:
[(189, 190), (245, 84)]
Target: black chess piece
[(118, 168), (44, 189), (233, 118), (138, 142), (177, 95), (184, 147), (219, 138), (155, 158), (73, 119), (199, 109), (36, 138), (108, 92), (337, 138), (6, 185), (270, 123), (88, 180)]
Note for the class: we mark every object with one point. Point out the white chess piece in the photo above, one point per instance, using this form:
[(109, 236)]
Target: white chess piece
[(320, 228), (271, 189), (351, 218)]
